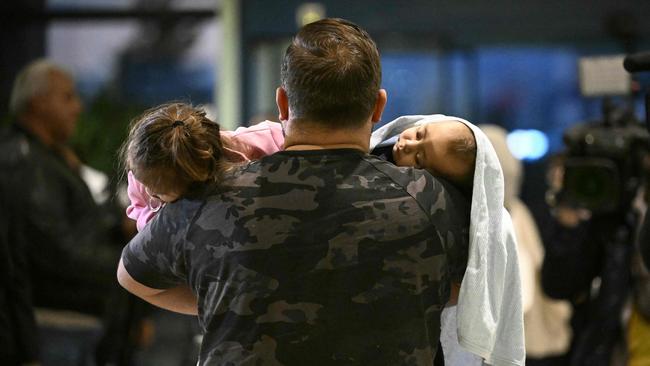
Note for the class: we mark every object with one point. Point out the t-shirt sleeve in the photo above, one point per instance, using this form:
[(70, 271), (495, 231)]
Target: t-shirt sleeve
[(155, 257)]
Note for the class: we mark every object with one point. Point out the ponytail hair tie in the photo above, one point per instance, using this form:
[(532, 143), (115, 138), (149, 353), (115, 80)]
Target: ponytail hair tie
[(178, 123)]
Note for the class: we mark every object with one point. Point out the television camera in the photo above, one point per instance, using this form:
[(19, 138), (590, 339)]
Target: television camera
[(606, 160)]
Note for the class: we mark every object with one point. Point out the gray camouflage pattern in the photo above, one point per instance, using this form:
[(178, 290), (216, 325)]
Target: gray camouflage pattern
[(328, 257)]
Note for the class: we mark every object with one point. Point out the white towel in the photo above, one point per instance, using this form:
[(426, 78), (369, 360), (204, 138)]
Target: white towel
[(489, 311)]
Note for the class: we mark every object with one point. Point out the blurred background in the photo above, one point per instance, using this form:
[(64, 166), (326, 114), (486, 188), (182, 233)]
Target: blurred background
[(511, 64)]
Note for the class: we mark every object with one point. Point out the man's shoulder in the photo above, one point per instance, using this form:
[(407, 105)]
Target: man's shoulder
[(15, 147), (432, 193), (413, 180), (282, 164), (282, 170), (174, 219), (289, 166)]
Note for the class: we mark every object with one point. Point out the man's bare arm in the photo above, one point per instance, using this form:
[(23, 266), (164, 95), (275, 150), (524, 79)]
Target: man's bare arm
[(178, 299)]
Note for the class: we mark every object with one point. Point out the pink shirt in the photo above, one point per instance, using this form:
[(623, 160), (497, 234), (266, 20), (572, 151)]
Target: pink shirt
[(250, 143)]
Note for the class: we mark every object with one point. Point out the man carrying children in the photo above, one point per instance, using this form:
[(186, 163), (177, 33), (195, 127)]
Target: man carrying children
[(319, 254)]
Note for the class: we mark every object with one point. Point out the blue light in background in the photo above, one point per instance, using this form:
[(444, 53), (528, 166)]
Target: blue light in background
[(527, 144), (413, 83)]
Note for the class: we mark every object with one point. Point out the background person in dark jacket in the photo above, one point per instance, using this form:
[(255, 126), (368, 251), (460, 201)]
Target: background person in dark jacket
[(69, 241), (18, 337)]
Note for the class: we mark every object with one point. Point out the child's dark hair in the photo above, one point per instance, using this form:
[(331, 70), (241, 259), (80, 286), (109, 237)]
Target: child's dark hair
[(464, 146), (174, 148)]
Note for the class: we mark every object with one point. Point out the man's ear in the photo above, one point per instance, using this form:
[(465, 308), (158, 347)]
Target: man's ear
[(380, 104), (283, 103)]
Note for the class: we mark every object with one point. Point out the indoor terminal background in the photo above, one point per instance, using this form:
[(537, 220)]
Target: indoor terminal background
[(501, 62), (513, 64)]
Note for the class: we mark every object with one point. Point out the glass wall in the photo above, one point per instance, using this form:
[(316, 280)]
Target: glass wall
[(126, 60), (515, 87)]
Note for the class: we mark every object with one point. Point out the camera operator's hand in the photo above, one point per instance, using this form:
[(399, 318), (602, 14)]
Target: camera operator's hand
[(570, 217), (567, 216)]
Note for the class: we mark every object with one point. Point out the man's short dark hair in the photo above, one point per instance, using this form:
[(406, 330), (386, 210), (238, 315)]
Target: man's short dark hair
[(331, 73)]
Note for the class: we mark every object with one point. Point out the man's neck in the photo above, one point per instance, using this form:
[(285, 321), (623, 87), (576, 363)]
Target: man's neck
[(310, 136), (323, 147)]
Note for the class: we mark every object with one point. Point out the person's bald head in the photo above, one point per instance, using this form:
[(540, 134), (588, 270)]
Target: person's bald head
[(44, 97)]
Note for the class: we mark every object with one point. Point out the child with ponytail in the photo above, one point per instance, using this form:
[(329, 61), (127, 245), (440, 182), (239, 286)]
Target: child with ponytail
[(175, 151)]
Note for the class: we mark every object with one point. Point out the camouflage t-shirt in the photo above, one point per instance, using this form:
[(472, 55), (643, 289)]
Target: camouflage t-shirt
[(329, 257)]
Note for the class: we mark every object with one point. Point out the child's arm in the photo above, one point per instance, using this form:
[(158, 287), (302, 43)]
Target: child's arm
[(138, 209)]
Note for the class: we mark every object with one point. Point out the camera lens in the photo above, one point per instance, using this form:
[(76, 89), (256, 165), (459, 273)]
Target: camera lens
[(591, 183)]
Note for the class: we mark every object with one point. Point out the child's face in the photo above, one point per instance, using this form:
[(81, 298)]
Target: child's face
[(428, 147)]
